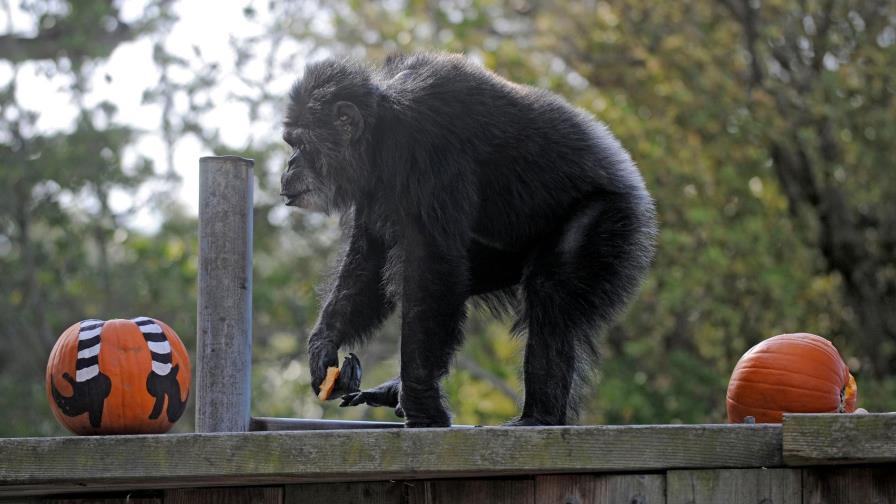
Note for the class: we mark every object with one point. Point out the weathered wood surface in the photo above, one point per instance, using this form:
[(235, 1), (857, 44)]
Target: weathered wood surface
[(307, 424), (815, 439), (301, 424), (42, 465), (249, 495), (374, 492), (224, 307), (850, 485), (734, 486), (822, 485), (104, 498), (470, 491), (601, 489)]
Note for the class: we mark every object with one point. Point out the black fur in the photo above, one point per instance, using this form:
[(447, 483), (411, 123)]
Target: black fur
[(459, 184)]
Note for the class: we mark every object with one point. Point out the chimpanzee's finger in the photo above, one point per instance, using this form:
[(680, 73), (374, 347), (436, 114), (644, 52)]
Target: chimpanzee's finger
[(349, 380), (366, 397), (347, 400)]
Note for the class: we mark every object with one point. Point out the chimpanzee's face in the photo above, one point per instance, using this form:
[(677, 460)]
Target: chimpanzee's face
[(304, 183), (322, 132)]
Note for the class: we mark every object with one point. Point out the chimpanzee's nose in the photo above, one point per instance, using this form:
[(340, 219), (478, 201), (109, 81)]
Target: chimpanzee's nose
[(294, 161)]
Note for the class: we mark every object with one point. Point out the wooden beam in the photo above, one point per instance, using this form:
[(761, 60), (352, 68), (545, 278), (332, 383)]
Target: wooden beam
[(306, 424), (255, 495), (825, 439), (224, 305), (42, 465), (711, 486), (833, 485), (374, 492), (303, 424), (471, 491), (603, 488)]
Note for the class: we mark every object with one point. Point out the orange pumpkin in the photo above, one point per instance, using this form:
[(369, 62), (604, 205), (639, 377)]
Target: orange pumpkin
[(790, 373), (118, 377)]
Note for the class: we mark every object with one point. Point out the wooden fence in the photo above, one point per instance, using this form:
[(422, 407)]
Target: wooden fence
[(808, 459)]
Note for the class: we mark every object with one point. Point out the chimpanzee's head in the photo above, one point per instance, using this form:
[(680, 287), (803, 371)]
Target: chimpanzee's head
[(328, 122)]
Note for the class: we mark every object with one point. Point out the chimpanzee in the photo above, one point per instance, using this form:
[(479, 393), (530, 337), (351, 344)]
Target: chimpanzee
[(456, 184)]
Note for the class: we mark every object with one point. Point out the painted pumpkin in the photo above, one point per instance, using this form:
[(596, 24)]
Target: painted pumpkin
[(118, 377), (790, 373)]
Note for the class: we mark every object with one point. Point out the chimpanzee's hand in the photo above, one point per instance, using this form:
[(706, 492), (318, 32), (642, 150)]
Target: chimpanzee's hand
[(322, 354)]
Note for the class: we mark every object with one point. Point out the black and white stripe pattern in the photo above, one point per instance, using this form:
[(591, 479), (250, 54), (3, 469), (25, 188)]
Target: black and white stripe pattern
[(157, 343), (88, 364)]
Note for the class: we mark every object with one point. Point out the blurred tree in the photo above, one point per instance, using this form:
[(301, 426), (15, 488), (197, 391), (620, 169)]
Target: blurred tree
[(805, 84), (77, 32), (763, 133), (60, 238)]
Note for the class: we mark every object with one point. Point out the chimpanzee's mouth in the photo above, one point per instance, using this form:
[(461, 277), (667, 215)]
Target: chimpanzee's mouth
[(293, 198)]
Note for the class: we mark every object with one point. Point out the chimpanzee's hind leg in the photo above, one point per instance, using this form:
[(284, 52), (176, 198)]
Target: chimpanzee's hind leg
[(574, 287)]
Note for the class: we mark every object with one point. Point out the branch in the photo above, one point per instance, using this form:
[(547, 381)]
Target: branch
[(46, 45), (478, 371), (747, 15), (821, 38), (51, 43)]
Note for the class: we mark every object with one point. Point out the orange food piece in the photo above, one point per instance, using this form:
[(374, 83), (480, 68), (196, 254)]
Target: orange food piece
[(326, 388)]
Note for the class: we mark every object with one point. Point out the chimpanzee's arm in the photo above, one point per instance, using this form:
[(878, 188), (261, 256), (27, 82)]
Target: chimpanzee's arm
[(356, 304)]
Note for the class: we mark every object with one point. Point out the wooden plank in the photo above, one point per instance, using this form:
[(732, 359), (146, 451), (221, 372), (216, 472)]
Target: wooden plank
[(236, 495), (42, 465), (376, 492), (600, 489), (471, 491), (224, 307), (816, 439), (302, 424), (848, 485), (734, 486), (104, 498)]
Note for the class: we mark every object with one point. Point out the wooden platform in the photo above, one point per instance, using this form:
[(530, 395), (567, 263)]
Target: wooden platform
[(811, 458)]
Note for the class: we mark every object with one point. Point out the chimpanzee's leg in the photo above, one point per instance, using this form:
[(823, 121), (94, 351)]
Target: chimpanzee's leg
[(491, 269), (435, 288), (574, 287)]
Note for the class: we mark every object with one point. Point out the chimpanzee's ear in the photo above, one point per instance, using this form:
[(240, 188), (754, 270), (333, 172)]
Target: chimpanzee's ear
[(348, 119)]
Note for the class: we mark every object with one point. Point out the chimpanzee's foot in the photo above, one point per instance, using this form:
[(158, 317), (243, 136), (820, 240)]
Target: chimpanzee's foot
[(416, 424), (435, 416), (385, 394), (521, 422), (423, 406), (528, 421)]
